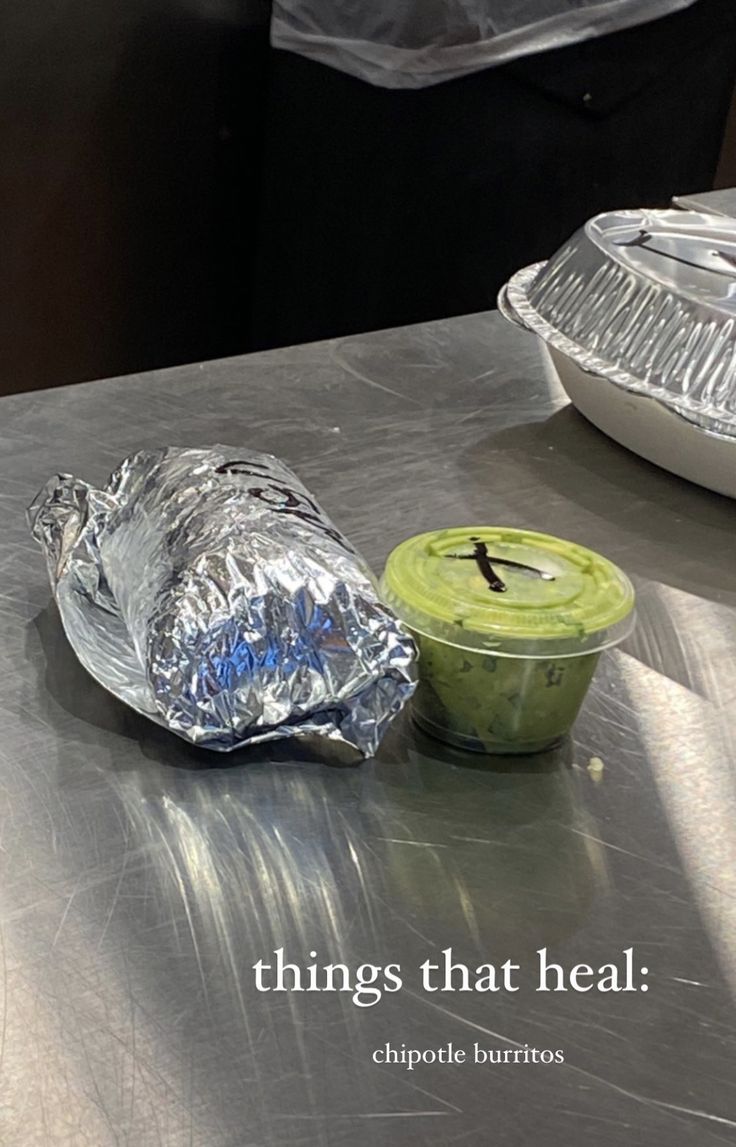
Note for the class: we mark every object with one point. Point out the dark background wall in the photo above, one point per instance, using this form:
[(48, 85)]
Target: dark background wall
[(726, 174), (126, 201)]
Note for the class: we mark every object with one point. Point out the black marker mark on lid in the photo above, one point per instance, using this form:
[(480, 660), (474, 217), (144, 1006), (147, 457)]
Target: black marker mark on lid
[(486, 562), (642, 240)]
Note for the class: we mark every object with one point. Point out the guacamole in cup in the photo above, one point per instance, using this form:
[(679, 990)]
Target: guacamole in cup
[(510, 625)]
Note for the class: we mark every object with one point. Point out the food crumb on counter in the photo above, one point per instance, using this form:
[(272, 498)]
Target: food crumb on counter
[(595, 768)]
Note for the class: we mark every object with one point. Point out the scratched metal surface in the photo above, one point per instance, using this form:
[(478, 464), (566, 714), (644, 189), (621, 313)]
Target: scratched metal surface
[(721, 202), (140, 880)]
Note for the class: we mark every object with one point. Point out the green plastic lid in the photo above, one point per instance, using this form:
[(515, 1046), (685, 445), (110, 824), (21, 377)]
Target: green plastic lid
[(509, 591)]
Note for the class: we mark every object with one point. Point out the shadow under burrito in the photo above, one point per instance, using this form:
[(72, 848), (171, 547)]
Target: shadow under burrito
[(68, 686)]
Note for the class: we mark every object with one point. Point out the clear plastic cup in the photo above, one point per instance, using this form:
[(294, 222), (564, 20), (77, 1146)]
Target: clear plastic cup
[(510, 625)]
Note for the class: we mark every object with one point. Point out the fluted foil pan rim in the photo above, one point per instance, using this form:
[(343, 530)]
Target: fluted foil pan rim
[(515, 306)]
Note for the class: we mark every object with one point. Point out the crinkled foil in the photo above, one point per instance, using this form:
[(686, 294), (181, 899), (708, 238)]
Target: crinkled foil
[(646, 299), (209, 591)]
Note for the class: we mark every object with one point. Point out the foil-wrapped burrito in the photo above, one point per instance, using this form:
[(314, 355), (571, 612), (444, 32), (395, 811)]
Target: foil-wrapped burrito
[(207, 589)]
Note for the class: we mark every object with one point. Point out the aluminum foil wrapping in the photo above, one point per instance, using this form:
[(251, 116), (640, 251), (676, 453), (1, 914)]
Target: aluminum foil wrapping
[(208, 590), (646, 299)]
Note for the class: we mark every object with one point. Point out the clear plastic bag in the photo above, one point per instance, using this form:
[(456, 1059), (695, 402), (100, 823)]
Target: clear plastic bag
[(416, 43)]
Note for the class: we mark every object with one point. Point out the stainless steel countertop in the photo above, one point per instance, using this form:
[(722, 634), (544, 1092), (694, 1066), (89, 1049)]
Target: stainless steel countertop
[(140, 880), (721, 202)]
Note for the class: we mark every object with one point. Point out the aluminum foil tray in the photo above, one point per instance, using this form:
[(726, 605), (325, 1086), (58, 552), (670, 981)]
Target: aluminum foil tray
[(646, 299)]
